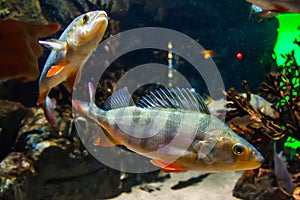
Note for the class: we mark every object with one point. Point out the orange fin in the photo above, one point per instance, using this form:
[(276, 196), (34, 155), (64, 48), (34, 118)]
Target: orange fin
[(54, 70), (169, 167)]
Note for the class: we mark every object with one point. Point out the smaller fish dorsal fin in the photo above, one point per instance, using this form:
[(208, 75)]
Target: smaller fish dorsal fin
[(119, 99), (178, 98)]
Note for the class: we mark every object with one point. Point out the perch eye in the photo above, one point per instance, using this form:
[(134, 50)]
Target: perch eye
[(238, 149)]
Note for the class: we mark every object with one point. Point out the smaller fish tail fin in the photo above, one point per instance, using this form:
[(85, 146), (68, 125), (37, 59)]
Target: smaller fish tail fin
[(49, 108)]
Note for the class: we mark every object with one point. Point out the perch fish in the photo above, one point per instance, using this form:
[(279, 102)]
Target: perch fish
[(173, 127), (259, 103), (68, 55)]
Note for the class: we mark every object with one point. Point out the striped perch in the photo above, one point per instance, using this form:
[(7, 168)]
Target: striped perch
[(174, 128)]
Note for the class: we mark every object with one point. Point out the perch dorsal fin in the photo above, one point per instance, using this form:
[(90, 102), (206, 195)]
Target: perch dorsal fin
[(178, 98)]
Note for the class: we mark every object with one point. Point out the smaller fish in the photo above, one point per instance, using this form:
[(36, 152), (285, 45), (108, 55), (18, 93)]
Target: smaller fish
[(261, 104), (263, 14), (68, 55), (277, 6), (282, 174), (257, 102)]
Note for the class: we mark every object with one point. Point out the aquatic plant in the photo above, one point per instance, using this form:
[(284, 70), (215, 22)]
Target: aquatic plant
[(282, 89), (4, 10)]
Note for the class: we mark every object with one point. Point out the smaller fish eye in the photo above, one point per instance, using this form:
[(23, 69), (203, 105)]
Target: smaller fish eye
[(85, 19), (238, 149)]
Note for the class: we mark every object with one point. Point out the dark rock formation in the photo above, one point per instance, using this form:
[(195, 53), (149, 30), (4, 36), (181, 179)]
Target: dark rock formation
[(51, 163), (24, 10), (258, 185), (11, 114)]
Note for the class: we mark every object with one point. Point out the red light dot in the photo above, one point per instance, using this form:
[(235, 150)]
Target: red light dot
[(239, 55)]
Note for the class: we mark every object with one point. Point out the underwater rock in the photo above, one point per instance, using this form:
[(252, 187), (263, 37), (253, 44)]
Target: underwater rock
[(75, 178), (258, 185), (11, 114), (15, 172), (59, 11), (23, 10), (62, 167), (46, 162), (56, 162)]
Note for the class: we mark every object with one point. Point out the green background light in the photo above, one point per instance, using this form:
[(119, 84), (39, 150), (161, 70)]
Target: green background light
[(288, 31), (293, 144)]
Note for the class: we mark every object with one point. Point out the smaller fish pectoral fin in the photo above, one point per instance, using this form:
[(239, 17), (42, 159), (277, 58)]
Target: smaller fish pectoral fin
[(54, 44), (54, 70), (169, 167)]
